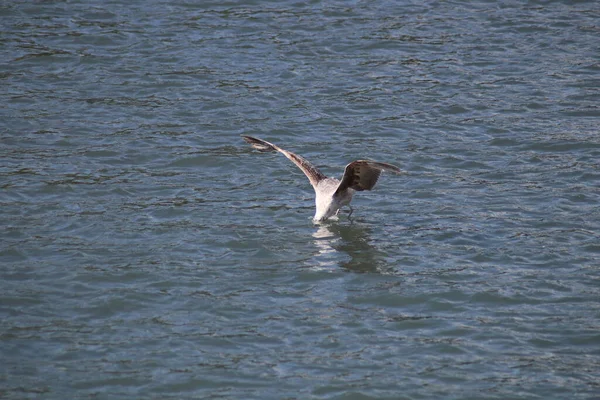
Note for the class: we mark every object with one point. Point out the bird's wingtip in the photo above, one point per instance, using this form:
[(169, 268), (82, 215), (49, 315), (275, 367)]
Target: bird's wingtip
[(385, 167), (259, 144)]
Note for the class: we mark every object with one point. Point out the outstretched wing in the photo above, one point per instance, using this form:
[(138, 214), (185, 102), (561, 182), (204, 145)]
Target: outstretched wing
[(313, 174), (363, 175)]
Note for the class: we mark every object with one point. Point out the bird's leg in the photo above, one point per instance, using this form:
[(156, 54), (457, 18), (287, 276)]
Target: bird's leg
[(351, 210)]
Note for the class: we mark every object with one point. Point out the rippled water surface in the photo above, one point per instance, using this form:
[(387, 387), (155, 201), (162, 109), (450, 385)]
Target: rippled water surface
[(147, 252)]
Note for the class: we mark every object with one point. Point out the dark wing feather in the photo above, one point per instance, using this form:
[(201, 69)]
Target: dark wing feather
[(363, 175), (313, 174)]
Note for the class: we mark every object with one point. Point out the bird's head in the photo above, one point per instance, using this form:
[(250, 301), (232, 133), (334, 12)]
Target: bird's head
[(325, 213)]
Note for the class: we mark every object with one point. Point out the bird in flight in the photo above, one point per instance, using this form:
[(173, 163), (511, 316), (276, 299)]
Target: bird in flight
[(330, 193)]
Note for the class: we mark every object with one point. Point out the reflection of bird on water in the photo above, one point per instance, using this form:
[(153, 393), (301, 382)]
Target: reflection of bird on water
[(331, 193), (353, 241)]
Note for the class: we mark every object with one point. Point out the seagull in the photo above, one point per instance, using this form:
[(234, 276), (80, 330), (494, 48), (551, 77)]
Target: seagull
[(330, 193)]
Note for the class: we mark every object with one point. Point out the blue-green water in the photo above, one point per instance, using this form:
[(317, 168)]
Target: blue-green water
[(147, 252)]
